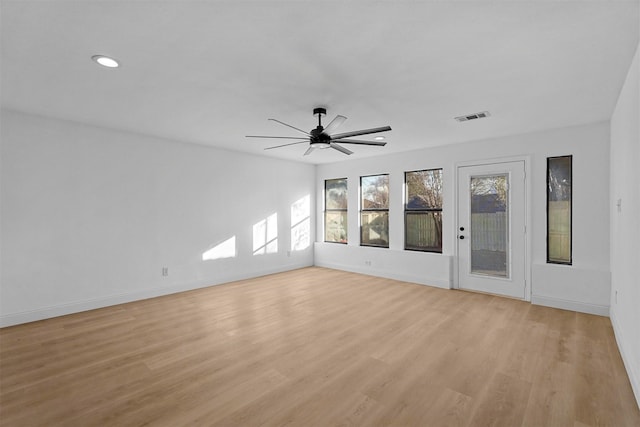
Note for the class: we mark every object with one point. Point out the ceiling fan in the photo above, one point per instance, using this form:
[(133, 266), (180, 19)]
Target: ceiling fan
[(322, 137)]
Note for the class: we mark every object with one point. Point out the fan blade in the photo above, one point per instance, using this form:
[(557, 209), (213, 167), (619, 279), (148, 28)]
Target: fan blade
[(341, 149), (277, 137), (361, 132), (335, 123), (309, 150), (353, 141), (292, 127), (284, 145)]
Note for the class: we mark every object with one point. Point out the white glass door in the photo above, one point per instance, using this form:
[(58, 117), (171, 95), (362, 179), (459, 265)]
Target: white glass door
[(491, 228)]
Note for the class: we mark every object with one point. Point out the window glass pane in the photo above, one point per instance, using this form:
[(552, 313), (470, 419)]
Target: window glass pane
[(375, 192), (423, 210), (336, 194), (489, 225), (559, 209), (375, 229), (424, 189), (424, 231), (335, 227), (335, 214)]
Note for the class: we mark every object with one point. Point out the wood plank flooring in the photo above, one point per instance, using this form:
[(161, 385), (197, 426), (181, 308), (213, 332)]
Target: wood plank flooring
[(316, 347)]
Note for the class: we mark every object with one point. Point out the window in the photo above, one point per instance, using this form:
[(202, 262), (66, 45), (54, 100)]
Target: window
[(423, 210), (374, 214), (335, 210), (559, 174)]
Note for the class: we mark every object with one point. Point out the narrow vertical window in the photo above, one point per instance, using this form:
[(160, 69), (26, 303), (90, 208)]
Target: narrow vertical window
[(335, 210), (559, 174), (374, 214), (423, 210)]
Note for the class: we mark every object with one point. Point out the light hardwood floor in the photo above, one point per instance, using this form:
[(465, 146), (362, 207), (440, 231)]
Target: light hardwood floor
[(316, 347)]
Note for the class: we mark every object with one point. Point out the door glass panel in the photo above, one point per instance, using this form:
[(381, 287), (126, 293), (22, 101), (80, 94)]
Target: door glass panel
[(490, 225)]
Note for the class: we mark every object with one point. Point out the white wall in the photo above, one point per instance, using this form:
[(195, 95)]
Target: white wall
[(625, 223), (584, 286), (90, 216)]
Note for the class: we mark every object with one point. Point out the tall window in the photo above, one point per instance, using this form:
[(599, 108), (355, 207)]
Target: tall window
[(374, 214), (335, 210), (423, 210), (559, 172)]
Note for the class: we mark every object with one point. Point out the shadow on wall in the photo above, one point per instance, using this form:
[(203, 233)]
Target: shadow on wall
[(265, 234), (301, 224)]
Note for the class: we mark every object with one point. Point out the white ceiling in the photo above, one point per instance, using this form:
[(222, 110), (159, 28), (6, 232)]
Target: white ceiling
[(211, 72)]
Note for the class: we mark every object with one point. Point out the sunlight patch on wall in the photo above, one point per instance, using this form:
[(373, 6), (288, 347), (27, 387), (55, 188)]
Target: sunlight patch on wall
[(265, 235), (301, 224), (226, 249)]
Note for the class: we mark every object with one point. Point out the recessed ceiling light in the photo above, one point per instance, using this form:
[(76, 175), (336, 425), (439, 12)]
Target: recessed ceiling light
[(105, 61), (379, 138)]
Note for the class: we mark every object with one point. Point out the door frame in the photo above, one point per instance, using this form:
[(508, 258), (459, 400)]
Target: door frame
[(527, 216)]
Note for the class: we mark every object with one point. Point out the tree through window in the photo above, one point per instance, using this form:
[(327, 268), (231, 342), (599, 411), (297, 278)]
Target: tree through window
[(374, 214), (423, 210)]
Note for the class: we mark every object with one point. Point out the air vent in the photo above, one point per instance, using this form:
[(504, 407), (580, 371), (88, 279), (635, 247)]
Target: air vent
[(474, 116)]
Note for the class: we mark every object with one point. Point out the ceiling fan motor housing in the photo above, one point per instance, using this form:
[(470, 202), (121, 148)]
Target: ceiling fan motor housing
[(319, 139)]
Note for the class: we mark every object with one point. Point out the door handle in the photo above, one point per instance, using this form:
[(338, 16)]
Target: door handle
[(461, 237)]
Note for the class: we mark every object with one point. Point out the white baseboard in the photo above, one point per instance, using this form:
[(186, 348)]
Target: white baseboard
[(436, 283), (92, 304), (634, 377), (600, 310)]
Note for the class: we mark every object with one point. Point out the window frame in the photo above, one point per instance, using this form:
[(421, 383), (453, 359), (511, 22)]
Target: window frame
[(363, 210), (549, 260), (408, 211), (326, 210)]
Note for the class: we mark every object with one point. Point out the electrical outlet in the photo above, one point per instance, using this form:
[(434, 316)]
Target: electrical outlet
[(367, 262), (165, 271)]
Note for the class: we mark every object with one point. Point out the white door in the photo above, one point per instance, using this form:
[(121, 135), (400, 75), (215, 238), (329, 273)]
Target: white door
[(491, 228)]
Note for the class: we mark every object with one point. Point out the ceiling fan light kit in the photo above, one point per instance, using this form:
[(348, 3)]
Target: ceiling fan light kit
[(323, 138)]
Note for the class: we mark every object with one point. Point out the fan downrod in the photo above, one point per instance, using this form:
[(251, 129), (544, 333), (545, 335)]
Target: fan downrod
[(319, 111), (319, 139)]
